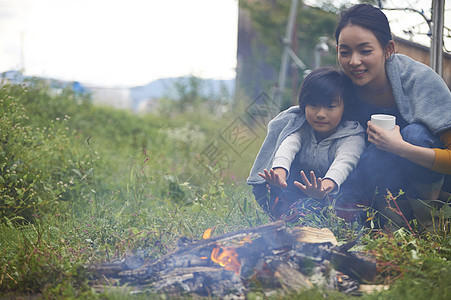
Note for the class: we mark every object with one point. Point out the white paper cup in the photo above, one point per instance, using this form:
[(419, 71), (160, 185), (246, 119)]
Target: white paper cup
[(387, 122)]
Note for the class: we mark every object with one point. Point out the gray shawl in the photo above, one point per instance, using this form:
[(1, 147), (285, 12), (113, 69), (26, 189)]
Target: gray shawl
[(420, 94), (279, 128)]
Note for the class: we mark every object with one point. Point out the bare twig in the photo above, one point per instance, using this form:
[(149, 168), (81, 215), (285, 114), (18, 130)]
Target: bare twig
[(398, 211)]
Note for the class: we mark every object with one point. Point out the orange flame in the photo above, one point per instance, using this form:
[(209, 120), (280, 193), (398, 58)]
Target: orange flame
[(246, 239), (226, 257), (207, 233)]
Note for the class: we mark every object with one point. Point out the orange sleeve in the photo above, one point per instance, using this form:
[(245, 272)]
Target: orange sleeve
[(442, 161)]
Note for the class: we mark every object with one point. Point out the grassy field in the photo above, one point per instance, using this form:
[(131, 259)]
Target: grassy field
[(82, 184)]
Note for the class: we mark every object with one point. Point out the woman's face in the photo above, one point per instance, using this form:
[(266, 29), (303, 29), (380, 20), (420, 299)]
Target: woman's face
[(362, 57)]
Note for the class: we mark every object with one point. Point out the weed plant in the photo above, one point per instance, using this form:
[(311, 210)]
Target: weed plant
[(83, 184)]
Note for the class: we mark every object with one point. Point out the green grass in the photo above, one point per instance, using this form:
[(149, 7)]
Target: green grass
[(81, 184)]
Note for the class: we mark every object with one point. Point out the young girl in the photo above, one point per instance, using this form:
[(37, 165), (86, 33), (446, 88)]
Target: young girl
[(313, 137), (411, 156)]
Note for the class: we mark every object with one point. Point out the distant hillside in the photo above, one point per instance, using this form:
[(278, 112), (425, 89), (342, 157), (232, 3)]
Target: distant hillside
[(159, 88), (130, 98), (165, 88)]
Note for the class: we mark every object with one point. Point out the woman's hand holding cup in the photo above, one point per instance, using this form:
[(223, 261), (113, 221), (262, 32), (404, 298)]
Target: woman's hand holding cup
[(385, 134)]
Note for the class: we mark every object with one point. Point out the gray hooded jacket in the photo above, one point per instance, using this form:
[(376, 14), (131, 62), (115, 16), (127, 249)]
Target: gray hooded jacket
[(333, 157), (279, 128)]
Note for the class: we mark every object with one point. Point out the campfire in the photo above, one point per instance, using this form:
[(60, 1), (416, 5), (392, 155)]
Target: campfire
[(272, 257), (227, 258)]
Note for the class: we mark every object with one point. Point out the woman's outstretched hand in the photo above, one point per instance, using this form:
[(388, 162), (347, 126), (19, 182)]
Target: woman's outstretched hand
[(316, 188), (386, 140), (276, 177)]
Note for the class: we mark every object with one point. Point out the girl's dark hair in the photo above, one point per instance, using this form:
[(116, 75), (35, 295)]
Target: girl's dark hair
[(366, 16), (325, 85)]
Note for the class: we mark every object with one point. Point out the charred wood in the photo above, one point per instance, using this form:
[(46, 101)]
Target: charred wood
[(272, 256)]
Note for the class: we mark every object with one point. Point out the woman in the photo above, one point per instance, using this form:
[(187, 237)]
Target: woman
[(411, 156)]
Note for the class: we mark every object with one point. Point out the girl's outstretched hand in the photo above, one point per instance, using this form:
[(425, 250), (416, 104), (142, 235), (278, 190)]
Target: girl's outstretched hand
[(276, 177), (316, 188)]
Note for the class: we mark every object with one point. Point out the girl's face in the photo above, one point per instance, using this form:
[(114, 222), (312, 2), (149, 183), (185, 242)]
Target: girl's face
[(324, 119), (362, 57)]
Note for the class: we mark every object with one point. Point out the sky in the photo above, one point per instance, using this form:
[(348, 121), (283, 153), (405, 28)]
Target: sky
[(124, 43), (412, 21), (119, 42)]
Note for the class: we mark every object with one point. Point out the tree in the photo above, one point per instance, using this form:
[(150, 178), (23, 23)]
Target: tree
[(262, 26), (268, 18)]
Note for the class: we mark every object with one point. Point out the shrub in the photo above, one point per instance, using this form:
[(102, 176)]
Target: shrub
[(38, 156)]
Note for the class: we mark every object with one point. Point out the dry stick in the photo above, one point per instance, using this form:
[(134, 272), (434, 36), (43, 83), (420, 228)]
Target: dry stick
[(275, 203), (229, 236), (3, 274), (279, 225), (12, 278)]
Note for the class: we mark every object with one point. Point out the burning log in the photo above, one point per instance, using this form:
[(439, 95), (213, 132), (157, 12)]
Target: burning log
[(271, 255)]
